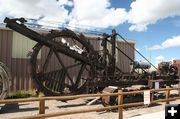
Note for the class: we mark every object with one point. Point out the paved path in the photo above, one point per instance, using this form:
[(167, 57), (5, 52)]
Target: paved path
[(156, 115)]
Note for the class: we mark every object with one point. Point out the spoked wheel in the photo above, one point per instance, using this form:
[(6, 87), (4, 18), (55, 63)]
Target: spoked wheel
[(56, 73), (5, 78)]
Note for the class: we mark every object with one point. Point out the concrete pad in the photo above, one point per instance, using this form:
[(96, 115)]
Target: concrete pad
[(156, 115)]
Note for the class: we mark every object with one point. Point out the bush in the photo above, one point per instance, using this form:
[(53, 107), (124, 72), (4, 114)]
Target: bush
[(22, 94)]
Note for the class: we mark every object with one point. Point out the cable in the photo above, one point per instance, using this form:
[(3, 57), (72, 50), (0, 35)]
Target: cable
[(136, 51), (61, 22), (95, 32), (77, 29), (74, 26)]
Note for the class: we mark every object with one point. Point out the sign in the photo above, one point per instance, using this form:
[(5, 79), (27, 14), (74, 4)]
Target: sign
[(156, 85), (147, 97)]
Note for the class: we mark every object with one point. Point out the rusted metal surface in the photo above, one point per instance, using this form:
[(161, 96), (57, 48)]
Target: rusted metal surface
[(92, 67), (20, 67), (109, 100), (177, 64), (151, 83), (112, 100), (55, 82), (167, 68)]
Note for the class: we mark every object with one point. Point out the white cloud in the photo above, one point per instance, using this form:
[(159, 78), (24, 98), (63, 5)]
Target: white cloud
[(159, 59), (93, 13), (172, 59), (146, 12), (171, 42), (138, 28), (99, 13), (50, 9), (65, 2), (96, 13)]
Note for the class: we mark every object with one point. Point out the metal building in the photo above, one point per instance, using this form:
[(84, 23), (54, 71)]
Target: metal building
[(14, 48)]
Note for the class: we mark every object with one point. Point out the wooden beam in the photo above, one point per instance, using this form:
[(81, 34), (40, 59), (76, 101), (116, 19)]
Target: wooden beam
[(54, 114), (12, 101), (93, 101), (120, 102), (167, 95), (42, 107)]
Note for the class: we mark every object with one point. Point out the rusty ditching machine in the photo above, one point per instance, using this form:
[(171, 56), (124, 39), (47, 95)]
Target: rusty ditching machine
[(93, 68)]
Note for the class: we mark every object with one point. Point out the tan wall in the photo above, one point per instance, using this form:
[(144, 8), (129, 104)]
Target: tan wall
[(12, 53)]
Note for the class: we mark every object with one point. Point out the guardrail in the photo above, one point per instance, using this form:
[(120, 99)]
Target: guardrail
[(120, 105)]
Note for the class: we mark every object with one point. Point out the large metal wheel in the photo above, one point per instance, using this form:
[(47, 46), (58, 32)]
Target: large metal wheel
[(5, 78), (57, 74)]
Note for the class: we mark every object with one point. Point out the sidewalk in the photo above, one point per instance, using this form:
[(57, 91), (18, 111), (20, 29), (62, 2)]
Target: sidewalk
[(156, 115)]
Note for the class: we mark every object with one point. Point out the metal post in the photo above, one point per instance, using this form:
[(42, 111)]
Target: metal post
[(120, 103), (113, 48)]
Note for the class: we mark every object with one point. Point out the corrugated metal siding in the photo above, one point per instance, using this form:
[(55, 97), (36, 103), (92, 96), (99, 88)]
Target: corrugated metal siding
[(21, 79), (12, 54), (5, 46), (18, 63), (123, 62), (21, 45)]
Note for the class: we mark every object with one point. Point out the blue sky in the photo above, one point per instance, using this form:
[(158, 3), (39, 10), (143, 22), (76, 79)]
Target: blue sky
[(156, 34), (153, 24)]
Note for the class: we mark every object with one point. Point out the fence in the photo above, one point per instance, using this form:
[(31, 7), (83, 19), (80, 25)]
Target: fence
[(120, 105)]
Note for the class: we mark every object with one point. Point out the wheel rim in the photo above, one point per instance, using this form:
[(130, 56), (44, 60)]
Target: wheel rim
[(63, 78), (4, 81)]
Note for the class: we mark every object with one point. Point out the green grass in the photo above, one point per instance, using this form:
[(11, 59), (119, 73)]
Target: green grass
[(22, 94)]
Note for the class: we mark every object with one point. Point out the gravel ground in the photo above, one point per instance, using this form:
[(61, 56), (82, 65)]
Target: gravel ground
[(31, 108)]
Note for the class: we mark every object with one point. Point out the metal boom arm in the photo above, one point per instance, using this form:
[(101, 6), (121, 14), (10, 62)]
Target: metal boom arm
[(22, 29)]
